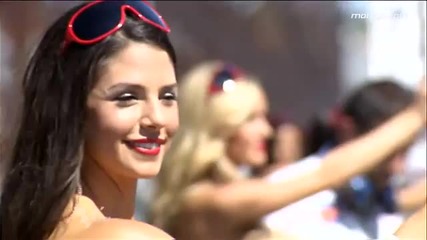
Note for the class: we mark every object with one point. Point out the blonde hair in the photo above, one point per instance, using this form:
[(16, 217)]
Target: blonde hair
[(197, 150)]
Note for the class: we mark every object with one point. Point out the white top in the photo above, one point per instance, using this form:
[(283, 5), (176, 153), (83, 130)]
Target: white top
[(306, 218)]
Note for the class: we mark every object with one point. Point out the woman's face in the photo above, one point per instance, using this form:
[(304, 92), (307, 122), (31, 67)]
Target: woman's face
[(248, 145), (288, 147), (132, 112)]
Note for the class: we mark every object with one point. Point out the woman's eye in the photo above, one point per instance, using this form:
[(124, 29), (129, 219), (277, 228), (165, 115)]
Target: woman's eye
[(126, 97), (169, 96)]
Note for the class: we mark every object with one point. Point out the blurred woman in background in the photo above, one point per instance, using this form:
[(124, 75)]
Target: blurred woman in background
[(284, 147), (359, 202), (223, 126)]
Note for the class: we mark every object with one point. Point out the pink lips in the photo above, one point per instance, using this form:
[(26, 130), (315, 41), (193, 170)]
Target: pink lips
[(137, 146)]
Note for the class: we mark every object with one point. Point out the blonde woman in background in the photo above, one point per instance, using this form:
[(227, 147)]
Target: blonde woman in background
[(285, 147), (203, 195)]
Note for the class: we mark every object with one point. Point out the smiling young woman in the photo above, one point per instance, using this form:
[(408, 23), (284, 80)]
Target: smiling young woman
[(99, 107)]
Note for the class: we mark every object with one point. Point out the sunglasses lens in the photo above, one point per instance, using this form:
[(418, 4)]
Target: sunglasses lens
[(103, 17), (225, 80), (97, 20), (222, 78), (147, 12)]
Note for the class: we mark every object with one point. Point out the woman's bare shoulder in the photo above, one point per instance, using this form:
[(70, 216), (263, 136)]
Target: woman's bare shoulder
[(121, 229)]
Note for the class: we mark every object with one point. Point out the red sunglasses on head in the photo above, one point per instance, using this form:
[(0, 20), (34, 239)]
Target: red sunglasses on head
[(225, 79), (100, 19)]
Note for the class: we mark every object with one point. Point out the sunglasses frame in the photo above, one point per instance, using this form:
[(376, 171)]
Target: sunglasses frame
[(70, 35)]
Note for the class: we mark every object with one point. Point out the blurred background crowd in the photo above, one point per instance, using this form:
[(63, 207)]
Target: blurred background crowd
[(319, 63)]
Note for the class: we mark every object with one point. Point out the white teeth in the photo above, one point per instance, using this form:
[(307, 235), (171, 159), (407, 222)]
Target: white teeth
[(147, 145)]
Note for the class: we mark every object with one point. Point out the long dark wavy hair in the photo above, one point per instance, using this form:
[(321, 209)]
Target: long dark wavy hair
[(45, 164)]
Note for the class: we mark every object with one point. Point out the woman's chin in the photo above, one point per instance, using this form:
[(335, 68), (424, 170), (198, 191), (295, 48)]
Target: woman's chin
[(147, 172), (258, 162), (145, 168)]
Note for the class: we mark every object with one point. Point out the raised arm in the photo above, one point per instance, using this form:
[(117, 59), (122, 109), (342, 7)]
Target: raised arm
[(249, 200)]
